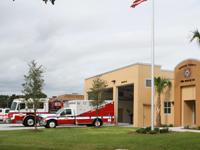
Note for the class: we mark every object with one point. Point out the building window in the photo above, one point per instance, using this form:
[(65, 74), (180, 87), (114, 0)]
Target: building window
[(22, 106), (167, 107), (148, 82), (40, 105)]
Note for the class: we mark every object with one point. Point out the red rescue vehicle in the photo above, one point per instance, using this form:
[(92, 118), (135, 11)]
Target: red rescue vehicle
[(80, 112), (21, 111)]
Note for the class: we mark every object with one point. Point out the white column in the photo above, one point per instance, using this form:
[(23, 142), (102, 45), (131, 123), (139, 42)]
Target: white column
[(115, 97)]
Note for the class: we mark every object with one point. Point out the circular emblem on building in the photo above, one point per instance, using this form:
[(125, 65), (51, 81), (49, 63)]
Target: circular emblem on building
[(187, 72)]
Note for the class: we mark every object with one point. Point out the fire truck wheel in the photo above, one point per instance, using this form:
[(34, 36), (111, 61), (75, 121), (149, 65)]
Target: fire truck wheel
[(51, 124), (97, 123), (29, 121)]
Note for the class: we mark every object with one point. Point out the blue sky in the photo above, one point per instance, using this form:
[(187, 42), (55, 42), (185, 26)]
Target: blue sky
[(76, 39)]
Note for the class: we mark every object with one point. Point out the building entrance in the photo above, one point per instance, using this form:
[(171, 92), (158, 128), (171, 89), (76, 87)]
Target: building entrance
[(189, 114), (125, 104)]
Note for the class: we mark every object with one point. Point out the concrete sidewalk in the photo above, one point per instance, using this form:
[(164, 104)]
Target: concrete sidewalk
[(181, 129)]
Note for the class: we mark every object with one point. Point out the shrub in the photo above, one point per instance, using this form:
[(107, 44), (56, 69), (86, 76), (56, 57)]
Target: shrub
[(141, 130), (148, 129), (156, 129), (153, 132)]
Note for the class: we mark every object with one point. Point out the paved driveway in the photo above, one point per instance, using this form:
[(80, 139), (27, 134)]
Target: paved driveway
[(4, 127), (7, 127), (181, 129)]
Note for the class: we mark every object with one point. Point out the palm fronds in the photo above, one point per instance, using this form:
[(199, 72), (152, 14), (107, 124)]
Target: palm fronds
[(196, 35), (161, 84)]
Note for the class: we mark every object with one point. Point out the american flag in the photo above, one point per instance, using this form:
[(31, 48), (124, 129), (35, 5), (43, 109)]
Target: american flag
[(137, 2)]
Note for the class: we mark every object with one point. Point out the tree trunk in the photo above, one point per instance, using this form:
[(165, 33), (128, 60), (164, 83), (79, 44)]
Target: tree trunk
[(158, 111), (97, 110), (35, 119)]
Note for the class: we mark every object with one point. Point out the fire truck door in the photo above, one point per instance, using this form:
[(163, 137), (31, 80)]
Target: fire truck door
[(66, 117)]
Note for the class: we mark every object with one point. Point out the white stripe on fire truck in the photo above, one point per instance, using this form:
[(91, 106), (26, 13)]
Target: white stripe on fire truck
[(85, 117)]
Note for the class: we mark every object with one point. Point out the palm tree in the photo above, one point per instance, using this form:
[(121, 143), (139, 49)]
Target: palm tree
[(160, 85), (196, 35)]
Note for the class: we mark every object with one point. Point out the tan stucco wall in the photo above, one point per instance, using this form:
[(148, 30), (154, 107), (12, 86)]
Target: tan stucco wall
[(186, 88), (135, 74)]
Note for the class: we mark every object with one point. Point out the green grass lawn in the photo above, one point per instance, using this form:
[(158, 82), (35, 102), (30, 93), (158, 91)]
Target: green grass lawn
[(105, 138)]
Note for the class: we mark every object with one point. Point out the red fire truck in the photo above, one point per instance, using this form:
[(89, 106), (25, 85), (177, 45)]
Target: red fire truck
[(80, 112), (21, 111)]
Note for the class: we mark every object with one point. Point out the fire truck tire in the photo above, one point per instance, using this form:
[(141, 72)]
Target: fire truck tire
[(51, 124), (97, 123), (29, 121)]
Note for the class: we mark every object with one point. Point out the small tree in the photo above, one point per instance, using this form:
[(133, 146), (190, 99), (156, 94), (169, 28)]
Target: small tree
[(160, 85), (4, 101), (32, 88), (196, 35), (97, 94)]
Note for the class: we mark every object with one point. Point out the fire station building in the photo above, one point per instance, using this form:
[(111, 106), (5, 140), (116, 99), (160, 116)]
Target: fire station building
[(130, 88)]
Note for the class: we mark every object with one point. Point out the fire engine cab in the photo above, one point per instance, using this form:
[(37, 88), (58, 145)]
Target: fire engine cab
[(80, 112)]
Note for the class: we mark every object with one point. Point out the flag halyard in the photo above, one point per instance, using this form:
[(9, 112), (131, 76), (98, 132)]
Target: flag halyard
[(137, 2)]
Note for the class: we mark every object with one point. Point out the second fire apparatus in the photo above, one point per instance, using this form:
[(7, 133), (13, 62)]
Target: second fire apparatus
[(80, 112), (3, 113)]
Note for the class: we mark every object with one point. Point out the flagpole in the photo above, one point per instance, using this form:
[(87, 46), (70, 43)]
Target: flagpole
[(152, 67), (135, 3)]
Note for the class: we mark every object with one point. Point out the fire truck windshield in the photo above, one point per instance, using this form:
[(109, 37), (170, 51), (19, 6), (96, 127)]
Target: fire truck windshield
[(59, 111), (13, 106)]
